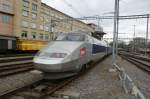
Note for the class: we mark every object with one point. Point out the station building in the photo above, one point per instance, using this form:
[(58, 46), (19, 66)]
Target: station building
[(32, 21), (36, 20)]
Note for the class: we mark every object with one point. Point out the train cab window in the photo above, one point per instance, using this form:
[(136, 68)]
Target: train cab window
[(75, 38), (71, 37), (24, 34)]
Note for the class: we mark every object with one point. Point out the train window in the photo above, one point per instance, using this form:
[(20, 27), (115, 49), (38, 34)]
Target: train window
[(24, 34)]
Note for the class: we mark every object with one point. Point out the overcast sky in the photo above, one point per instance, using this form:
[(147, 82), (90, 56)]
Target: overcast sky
[(79, 8)]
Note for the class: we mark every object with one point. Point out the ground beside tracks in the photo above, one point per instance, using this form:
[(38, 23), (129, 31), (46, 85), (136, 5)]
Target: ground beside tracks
[(140, 77), (98, 83), (14, 82)]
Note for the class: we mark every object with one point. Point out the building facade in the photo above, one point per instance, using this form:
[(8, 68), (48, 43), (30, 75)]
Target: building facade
[(34, 22)]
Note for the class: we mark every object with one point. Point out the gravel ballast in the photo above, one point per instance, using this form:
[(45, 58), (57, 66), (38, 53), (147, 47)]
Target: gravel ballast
[(139, 77), (99, 83), (14, 82)]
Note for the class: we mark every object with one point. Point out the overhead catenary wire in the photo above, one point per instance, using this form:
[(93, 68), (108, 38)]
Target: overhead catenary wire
[(72, 7), (112, 17)]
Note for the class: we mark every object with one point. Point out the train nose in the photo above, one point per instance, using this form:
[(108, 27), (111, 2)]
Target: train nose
[(47, 65), (50, 57), (49, 61)]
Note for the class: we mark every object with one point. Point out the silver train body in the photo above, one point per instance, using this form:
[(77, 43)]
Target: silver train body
[(69, 54)]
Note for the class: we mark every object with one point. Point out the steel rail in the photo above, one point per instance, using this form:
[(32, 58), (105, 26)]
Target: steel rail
[(137, 61), (15, 65)]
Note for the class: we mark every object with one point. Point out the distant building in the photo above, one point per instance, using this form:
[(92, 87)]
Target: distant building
[(98, 31), (32, 19), (36, 20), (95, 27)]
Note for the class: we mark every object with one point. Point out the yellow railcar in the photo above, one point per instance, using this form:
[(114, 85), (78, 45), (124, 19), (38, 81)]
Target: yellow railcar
[(30, 45)]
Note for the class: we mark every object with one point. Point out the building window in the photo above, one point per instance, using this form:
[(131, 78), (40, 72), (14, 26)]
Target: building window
[(42, 18), (41, 27), (24, 34), (34, 7), (34, 15), (25, 13), (6, 19), (46, 36), (46, 28), (41, 36), (25, 3), (6, 7), (46, 19), (24, 23), (35, 0), (33, 25), (34, 35)]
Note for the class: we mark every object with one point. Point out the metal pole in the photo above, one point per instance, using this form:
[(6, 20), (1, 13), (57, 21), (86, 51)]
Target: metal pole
[(72, 24), (98, 22), (117, 28), (115, 33), (133, 39), (147, 30), (51, 25)]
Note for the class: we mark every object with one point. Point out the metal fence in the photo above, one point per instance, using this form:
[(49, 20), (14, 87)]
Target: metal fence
[(128, 84)]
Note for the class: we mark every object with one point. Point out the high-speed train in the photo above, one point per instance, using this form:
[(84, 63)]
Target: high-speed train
[(69, 54)]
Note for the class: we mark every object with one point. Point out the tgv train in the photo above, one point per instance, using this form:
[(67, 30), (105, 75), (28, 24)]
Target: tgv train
[(69, 54)]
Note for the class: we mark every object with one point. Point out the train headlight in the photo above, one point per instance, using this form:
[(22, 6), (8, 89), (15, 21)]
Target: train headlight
[(52, 55), (58, 55)]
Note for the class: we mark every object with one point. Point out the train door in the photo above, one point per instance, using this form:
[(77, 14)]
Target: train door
[(89, 47)]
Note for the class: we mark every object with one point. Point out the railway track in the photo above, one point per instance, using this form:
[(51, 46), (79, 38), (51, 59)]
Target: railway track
[(140, 61), (16, 55), (15, 64), (44, 89), (39, 90)]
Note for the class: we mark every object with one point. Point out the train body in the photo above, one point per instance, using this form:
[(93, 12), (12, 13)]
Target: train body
[(69, 54)]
